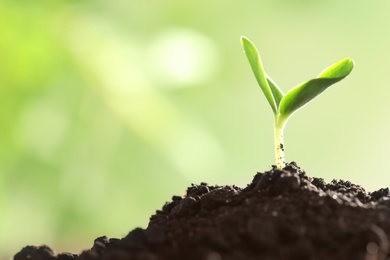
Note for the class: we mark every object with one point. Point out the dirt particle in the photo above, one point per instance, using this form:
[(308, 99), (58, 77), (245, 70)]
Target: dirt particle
[(187, 206), (213, 256), (372, 248)]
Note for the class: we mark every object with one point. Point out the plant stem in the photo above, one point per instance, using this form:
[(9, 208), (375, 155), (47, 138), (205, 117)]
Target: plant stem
[(279, 143)]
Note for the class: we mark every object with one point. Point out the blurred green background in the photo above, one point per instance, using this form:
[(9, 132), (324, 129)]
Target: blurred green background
[(108, 108)]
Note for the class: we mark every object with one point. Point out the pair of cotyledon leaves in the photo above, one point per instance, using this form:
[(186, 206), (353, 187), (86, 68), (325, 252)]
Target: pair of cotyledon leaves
[(284, 105)]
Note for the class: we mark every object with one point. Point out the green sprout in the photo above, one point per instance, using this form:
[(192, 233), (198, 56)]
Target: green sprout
[(284, 105)]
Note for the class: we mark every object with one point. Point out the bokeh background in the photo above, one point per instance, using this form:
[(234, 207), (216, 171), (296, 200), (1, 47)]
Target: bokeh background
[(108, 108)]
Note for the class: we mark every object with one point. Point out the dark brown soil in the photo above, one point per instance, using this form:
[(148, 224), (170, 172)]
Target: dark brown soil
[(282, 214)]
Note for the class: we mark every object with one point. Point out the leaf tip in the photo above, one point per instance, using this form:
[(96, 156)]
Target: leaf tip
[(244, 40), (350, 62), (348, 65), (340, 69)]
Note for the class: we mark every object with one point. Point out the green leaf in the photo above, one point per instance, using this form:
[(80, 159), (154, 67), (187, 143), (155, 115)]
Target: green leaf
[(304, 93), (271, 91), (276, 92), (340, 69)]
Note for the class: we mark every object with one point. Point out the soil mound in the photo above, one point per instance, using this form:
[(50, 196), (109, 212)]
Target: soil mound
[(281, 214)]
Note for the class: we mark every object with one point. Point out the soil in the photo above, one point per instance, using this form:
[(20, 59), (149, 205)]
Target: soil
[(281, 214)]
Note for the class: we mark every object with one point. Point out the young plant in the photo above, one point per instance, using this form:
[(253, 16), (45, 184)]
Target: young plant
[(284, 105)]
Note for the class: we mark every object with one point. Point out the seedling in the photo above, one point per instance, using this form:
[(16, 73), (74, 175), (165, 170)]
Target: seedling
[(284, 105)]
